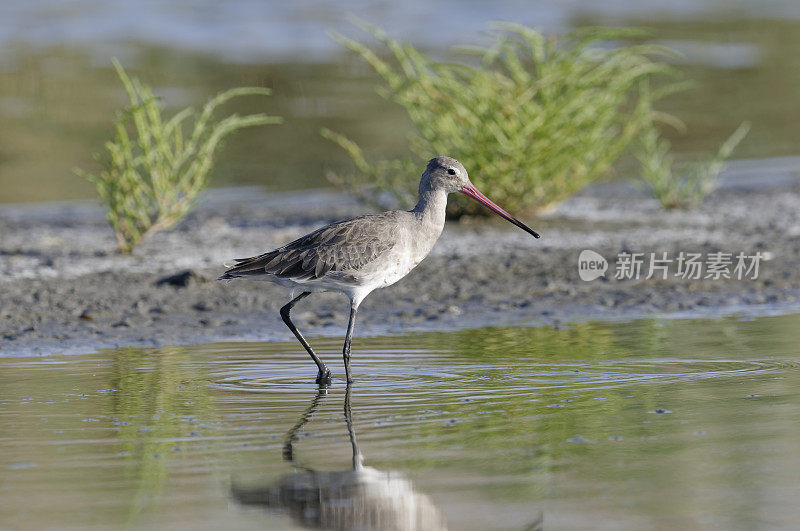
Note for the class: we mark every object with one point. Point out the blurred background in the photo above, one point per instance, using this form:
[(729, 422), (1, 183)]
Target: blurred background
[(58, 92)]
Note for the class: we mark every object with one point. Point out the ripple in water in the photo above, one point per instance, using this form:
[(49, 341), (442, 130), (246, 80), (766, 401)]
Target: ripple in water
[(421, 372)]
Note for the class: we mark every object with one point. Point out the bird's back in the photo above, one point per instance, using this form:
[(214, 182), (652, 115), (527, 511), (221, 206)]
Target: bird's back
[(344, 248)]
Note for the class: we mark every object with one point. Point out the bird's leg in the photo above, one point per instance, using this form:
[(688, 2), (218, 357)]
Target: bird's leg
[(324, 375), (347, 339), (348, 418), (291, 435)]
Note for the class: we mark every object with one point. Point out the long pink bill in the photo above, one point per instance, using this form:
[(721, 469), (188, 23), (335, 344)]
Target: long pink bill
[(471, 191)]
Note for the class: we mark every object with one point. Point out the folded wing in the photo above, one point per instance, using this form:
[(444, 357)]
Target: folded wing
[(345, 246)]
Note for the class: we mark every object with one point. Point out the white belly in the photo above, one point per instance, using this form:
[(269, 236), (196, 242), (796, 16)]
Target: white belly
[(397, 264)]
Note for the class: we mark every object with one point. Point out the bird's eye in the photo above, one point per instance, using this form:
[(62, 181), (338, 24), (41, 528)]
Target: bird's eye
[(451, 171)]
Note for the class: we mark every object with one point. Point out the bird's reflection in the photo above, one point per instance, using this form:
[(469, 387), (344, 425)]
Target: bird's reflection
[(360, 497)]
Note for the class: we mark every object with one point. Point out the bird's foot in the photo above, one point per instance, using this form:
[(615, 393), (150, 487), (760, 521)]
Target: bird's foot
[(324, 377)]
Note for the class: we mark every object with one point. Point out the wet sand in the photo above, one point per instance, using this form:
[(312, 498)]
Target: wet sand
[(66, 289)]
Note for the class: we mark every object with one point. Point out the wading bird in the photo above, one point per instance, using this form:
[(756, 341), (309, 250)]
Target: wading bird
[(358, 255)]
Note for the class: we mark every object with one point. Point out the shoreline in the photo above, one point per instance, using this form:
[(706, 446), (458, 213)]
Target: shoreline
[(66, 289)]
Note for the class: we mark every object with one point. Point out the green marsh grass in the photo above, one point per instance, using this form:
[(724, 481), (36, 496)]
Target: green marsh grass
[(681, 185), (154, 168), (533, 118)]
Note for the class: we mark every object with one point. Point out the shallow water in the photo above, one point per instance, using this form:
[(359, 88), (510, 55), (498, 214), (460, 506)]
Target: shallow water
[(645, 424)]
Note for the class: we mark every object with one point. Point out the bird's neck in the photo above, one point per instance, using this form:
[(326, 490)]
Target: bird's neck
[(431, 207)]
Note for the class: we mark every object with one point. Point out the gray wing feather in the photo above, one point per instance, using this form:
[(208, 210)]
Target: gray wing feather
[(346, 246)]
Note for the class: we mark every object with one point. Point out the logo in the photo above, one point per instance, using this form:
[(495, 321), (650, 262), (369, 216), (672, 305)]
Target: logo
[(591, 265)]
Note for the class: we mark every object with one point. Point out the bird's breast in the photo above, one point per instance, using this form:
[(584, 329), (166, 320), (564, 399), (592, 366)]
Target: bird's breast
[(404, 257)]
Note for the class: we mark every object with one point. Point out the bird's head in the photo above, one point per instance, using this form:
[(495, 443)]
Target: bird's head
[(446, 173)]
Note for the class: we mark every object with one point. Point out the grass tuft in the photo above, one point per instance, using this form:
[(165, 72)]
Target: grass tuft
[(534, 118), (154, 169), (681, 185)]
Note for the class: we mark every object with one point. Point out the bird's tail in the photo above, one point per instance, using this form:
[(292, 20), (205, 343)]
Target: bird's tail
[(248, 266)]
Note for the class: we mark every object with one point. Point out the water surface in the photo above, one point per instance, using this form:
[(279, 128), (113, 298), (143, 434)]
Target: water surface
[(651, 423)]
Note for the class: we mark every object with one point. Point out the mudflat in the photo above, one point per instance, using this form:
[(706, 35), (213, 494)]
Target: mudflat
[(65, 288)]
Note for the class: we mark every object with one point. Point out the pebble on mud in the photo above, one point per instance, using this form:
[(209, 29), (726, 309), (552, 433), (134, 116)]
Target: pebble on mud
[(183, 279)]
